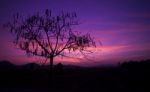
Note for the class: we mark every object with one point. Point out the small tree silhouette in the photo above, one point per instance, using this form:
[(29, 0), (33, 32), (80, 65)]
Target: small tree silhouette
[(48, 35)]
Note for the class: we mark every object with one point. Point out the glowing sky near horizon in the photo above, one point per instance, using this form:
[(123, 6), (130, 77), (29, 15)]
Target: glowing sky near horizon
[(123, 27)]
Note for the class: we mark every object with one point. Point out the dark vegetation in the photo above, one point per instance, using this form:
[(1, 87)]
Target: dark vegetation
[(130, 76)]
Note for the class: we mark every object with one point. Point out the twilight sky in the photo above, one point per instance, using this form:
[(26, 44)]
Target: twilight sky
[(123, 27)]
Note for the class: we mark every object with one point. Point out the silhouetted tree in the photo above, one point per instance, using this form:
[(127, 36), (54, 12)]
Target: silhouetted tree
[(59, 67), (48, 35)]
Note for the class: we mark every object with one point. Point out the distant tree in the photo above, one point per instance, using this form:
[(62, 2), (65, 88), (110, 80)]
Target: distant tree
[(48, 35), (59, 67)]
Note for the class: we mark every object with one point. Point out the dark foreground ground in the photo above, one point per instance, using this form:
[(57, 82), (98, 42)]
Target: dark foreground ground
[(126, 77)]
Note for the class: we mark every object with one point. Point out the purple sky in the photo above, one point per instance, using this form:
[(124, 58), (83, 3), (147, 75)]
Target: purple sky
[(123, 27)]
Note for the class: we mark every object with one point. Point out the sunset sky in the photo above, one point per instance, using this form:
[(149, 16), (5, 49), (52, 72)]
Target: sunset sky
[(123, 27)]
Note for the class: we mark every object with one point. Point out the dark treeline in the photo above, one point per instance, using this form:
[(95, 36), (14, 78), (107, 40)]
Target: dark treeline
[(129, 76)]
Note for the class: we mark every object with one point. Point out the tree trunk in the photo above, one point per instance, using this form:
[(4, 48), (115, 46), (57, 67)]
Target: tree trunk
[(51, 63), (51, 81)]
